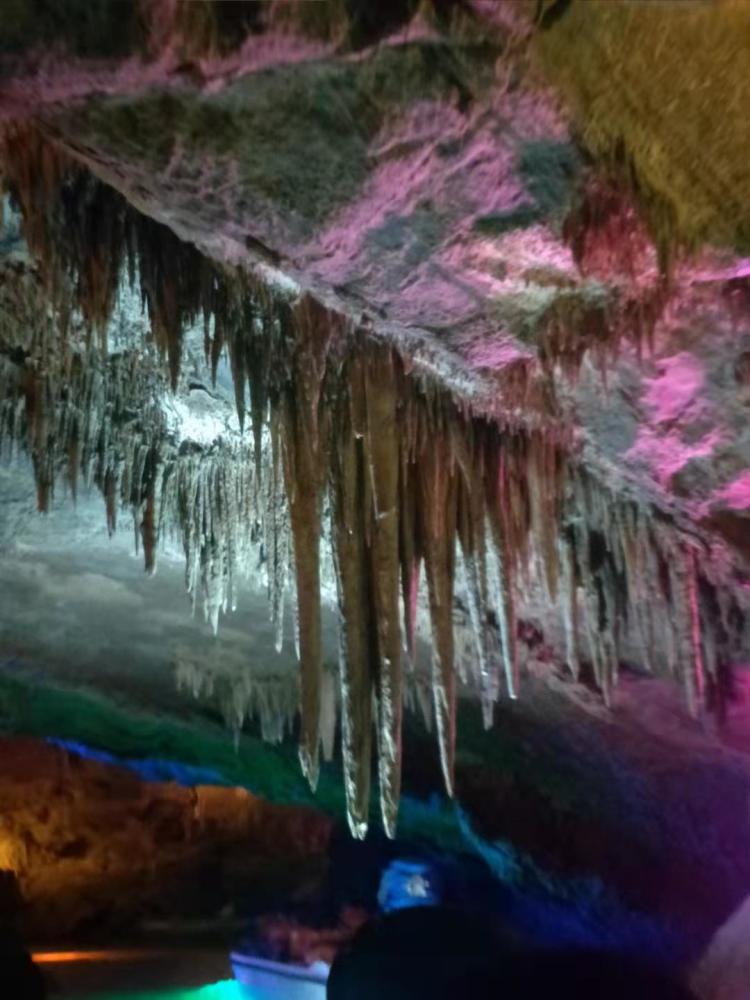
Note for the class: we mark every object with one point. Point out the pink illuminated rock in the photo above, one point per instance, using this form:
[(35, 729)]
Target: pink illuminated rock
[(724, 971)]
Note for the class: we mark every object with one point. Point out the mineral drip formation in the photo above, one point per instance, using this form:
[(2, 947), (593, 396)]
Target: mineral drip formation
[(348, 446)]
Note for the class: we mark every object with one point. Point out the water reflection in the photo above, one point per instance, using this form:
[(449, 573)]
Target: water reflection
[(228, 989), (190, 971)]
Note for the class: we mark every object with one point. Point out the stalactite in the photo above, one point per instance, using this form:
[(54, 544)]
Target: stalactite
[(709, 645), (147, 526), (270, 700), (258, 366), (110, 501), (569, 600), (210, 495), (474, 566), (33, 169), (84, 234), (594, 319), (328, 714), (472, 535), (637, 572), (514, 509), (410, 544), (687, 630), (305, 460), (423, 689), (383, 466), (545, 471), (695, 626), (595, 543), (438, 500), (276, 528), (357, 634), (576, 322), (505, 557)]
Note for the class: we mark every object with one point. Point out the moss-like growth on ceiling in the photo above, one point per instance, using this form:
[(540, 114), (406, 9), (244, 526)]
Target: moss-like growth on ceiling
[(279, 132), (661, 91), (549, 170), (293, 140), (196, 29)]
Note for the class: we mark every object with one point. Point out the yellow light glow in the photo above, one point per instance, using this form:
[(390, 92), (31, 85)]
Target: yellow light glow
[(9, 854), (111, 955)]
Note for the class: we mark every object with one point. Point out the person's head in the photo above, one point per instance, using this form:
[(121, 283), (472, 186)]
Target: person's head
[(419, 952), (441, 954), (577, 975)]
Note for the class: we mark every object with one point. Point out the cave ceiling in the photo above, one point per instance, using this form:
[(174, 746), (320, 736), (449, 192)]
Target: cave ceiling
[(415, 288)]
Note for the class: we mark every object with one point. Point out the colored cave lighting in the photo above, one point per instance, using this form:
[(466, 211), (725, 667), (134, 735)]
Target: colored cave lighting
[(111, 955), (227, 989)]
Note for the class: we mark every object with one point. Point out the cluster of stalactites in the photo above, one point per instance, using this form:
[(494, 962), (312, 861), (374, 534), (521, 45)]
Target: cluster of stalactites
[(414, 485), (631, 580), (271, 700), (411, 481), (80, 423), (593, 322), (85, 236), (101, 421)]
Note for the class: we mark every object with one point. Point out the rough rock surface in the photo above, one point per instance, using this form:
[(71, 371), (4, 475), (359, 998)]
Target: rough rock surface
[(96, 848), (423, 188), (724, 971)]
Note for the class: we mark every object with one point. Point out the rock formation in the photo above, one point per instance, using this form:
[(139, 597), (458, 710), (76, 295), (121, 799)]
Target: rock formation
[(437, 317)]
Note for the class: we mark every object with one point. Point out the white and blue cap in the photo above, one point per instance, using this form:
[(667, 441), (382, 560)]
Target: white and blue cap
[(406, 883)]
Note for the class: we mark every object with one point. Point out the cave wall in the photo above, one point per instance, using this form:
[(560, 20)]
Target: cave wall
[(96, 848)]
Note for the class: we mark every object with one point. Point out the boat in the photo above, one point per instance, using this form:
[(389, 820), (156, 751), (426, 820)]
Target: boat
[(198, 927), (264, 979)]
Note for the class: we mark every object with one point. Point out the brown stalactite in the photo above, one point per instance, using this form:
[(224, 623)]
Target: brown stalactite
[(110, 500), (74, 459), (695, 627), (305, 458), (410, 545), (569, 598), (438, 523), (383, 466), (147, 525), (504, 558), (258, 354), (275, 521), (238, 352), (358, 637), (514, 500), (36, 398), (472, 523), (328, 715), (687, 626)]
